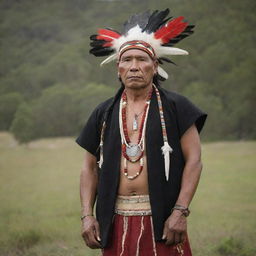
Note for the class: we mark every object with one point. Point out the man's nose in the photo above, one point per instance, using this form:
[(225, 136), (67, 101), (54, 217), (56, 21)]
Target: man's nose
[(134, 65)]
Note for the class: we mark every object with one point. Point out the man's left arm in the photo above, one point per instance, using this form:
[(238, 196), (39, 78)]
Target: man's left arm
[(175, 227)]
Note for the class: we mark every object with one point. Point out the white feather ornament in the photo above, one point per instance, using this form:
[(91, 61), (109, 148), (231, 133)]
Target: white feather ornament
[(166, 151), (161, 51), (162, 73), (109, 59), (101, 155)]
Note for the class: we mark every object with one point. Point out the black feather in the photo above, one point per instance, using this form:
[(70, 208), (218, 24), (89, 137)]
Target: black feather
[(101, 52), (93, 37), (114, 30), (97, 43), (140, 19), (175, 40), (160, 62), (164, 22), (166, 60), (189, 27), (158, 77), (156, 20)]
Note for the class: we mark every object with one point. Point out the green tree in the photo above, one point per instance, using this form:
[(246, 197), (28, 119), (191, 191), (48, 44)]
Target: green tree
[(23, 124), (62, 110), (8, 105)]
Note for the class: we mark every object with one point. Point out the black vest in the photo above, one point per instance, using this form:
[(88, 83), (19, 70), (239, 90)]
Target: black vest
[(179, 114)]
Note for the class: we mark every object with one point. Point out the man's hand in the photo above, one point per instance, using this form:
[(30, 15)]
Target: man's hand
[(175, 228), (91, 232)]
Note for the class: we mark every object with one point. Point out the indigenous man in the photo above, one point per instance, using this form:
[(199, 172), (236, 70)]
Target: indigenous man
[(142, 159)]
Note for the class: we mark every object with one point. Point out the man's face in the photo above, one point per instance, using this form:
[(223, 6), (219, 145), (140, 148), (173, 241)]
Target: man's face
[(136, 69)]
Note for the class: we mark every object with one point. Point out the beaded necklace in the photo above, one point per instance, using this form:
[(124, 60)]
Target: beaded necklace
[(132, 152), (166, 148)]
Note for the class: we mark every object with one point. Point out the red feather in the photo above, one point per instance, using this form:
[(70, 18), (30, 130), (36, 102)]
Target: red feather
[(107, 44), (106, 38), (172, 29), (107, 35)]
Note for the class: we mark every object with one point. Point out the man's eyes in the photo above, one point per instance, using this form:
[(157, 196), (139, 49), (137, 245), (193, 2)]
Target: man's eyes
[(126, 59), (129, 59)]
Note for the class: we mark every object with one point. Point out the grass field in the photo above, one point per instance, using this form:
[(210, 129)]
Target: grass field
[(40, 209)]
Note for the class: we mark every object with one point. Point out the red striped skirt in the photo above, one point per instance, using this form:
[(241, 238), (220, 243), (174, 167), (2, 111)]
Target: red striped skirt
[(133, 235)]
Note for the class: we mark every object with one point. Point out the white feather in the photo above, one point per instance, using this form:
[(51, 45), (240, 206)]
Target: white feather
[(100, 162), (171, 51), (109, 59), (166, 150), (161, 72)]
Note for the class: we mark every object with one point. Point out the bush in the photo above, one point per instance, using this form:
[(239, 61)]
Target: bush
[(22, 125), (8, 106)]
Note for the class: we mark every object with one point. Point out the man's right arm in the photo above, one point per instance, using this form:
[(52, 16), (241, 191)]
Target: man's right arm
[(88, 188)]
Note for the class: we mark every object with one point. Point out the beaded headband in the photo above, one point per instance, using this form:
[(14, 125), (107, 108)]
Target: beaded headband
[(137, 44)]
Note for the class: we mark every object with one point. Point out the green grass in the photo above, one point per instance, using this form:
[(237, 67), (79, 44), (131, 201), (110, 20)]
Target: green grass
[(224, 206), (40, 209)]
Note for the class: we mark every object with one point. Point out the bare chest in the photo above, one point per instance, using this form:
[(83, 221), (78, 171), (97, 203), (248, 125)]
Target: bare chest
[(134, 130)]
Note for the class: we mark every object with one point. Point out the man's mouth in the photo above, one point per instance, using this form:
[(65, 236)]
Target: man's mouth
[(134, 77)]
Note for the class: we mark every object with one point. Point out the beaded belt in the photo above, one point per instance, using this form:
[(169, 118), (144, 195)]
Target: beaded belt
[(133, 205)]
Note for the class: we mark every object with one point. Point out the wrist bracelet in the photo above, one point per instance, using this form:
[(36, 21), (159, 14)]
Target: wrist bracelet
[(86, 215), (185, 211)]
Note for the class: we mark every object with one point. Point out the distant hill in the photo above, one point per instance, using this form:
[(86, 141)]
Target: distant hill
[(47, 74)]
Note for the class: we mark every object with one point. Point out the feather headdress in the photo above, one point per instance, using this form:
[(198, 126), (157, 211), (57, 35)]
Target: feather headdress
[(151, 30)]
